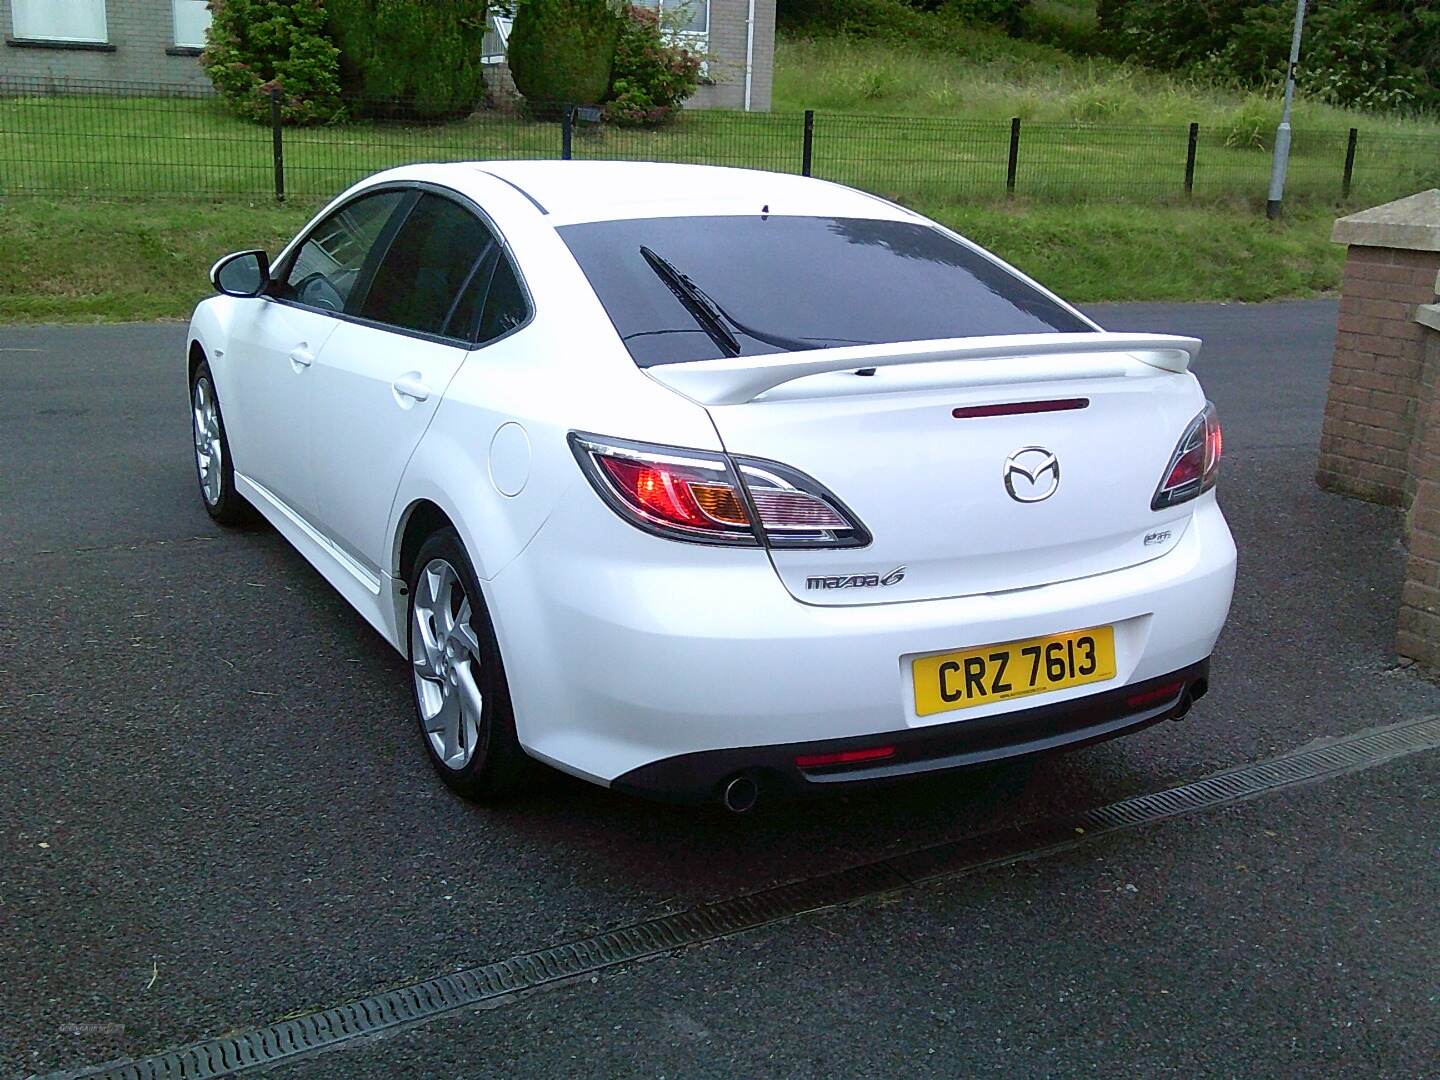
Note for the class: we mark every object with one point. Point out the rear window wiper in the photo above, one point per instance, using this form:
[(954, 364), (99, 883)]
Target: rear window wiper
[(701, 308)]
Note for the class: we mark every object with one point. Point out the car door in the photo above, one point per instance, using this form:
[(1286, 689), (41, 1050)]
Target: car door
[(276, 338), (380, 376)]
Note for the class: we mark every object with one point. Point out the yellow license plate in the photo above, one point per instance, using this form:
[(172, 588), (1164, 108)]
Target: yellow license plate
[(1011, 669)]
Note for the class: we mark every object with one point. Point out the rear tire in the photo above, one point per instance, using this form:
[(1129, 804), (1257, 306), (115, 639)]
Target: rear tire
[(462, 701), (213, 466)]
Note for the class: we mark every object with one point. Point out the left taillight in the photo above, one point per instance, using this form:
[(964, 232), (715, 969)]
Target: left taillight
[(1195, 464), (709, 498)]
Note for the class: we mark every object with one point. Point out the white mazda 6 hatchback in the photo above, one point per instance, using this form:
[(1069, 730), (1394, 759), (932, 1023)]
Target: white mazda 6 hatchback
[(704, 483)]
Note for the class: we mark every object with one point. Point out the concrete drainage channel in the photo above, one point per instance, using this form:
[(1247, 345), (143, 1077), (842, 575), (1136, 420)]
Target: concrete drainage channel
[(320, 1031)]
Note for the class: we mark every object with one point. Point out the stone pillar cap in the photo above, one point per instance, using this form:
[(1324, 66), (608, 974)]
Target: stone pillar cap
[(1411, 223)]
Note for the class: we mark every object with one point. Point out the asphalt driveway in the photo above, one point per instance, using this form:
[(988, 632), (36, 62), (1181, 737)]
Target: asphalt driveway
[(214, 811)]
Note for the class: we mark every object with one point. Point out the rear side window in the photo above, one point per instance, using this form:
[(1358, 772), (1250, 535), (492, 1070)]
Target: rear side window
[(328, 265), (773, 283), (438, 251), (505, 306), (492, 304)]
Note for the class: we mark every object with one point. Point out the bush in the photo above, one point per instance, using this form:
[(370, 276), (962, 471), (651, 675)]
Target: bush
[(256, 45), (651, 77), (564, 50), (411, 59), (885, 20), (1008, 14), (1074, 30), (915, 22), (1375, 54)]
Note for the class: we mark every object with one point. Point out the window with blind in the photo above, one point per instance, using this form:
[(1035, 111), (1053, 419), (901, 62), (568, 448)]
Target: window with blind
[(192, 19), (60, 20)]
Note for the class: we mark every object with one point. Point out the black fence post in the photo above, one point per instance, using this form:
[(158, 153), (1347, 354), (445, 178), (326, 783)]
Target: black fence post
[(1349, 164), (567, 131), (1190, 158), (277, 144), (807, 152), (1014, 155)]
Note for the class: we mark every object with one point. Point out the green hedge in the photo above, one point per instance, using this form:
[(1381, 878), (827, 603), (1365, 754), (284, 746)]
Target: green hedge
[(1375, 54), (563, 50), (413, 59), (255, 46)]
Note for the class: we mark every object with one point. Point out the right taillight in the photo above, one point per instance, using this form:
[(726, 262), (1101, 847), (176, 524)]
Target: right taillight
[(709, 498), (1195, 464)]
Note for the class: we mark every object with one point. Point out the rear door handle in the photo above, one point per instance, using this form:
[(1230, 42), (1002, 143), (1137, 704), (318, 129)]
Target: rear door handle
[(301, 357), (411, 387)]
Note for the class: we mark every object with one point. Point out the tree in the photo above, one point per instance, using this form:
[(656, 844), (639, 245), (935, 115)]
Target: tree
[(413, 59), (563, 50), (254, 46)]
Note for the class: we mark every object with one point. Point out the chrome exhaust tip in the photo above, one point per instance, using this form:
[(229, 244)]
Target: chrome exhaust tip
[(1183, 709), (740, 794)]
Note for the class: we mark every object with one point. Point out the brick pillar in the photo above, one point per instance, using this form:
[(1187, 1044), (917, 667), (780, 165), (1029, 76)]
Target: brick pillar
[(1377, 411), (1419, 633)]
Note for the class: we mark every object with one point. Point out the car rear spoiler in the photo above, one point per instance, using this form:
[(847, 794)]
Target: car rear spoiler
[(736, 380)]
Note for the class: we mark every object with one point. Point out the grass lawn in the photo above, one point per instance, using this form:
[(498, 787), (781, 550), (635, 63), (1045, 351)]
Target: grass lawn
[(88, 260), (89, 145), (985, 75), (1100, 212)]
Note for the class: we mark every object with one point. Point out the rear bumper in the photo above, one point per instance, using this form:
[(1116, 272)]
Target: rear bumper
[(626, 653), (962, 744)]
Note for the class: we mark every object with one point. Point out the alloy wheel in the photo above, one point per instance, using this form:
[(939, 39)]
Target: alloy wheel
[(209, 450), (445, 657)]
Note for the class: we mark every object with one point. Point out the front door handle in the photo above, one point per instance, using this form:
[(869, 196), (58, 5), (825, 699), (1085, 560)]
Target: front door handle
[(411, 387), (301, 357)]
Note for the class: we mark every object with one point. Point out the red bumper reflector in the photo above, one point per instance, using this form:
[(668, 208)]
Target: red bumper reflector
[(1154, 696), (1020, 408), (845, 757)]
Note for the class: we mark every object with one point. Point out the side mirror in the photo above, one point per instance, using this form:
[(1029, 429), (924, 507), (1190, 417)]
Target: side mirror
[(245, 273)]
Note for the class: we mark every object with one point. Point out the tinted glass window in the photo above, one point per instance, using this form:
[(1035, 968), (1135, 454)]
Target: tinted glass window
[(787, 283), (329, 262), (505, 305), (429, 262), (465, 319)]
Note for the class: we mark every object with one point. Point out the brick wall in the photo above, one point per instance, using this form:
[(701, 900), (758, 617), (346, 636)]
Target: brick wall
[(1381, 434), (140, 32), (1418, 636), (1372, 416)]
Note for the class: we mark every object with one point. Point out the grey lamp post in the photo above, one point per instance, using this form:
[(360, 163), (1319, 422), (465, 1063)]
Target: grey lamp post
[(1282, 133)]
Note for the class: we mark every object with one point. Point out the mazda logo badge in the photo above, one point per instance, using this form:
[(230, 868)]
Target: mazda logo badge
[(1032, 474)]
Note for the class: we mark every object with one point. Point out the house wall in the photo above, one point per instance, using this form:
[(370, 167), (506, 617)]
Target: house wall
[(726, 69), (141, 49)]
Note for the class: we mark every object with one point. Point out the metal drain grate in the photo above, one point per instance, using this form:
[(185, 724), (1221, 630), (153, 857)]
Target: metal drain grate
[(305, 1035)]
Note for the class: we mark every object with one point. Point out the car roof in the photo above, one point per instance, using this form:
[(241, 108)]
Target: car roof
[(576, 191)]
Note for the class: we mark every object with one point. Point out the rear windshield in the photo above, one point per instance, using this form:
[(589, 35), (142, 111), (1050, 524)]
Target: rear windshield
[(700, 288)]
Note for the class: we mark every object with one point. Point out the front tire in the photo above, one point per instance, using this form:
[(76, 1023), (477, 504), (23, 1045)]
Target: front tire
[(462, 701), (213, 466)]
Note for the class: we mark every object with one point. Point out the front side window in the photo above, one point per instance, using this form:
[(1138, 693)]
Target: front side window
[(331, 262), (700, 288), (438, 252), (192, 20), (60, 20)]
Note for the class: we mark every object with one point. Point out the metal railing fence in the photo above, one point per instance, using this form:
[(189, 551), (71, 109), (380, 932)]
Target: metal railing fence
[(133, 139)]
